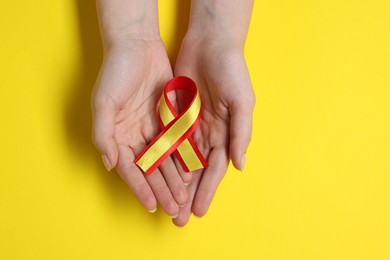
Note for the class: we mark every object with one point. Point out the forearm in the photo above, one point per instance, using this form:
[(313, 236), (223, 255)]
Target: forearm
[(227, 19), (121, 20)]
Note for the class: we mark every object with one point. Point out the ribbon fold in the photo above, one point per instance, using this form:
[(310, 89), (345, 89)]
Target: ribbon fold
[(177, 129)]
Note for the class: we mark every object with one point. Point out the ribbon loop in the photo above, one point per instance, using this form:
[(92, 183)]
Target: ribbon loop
[(177, 129)]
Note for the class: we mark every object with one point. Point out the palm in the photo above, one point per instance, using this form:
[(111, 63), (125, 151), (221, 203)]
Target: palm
[(136, 99)]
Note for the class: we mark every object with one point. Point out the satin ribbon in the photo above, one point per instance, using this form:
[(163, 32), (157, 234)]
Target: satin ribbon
[(177, 129)]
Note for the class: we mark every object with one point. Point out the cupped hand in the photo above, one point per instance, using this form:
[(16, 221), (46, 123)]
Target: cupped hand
[(124, 105), (219, 69)]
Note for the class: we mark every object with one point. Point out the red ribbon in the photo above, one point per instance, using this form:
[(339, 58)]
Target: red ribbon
[(172, 122)]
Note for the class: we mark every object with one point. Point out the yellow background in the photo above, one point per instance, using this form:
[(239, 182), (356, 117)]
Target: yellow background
[(316, 183)]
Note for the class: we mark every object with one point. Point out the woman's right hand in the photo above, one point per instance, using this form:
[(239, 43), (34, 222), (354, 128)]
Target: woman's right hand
[(124, 102)]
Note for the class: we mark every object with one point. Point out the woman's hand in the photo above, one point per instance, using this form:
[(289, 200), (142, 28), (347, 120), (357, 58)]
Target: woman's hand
[(212, 54), (124, 102)]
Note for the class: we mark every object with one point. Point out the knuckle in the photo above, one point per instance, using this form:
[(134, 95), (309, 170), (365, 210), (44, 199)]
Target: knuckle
[(170, 207), (100, 101), (143, 194), (182, 196), (139, 189), (161, 188), (97, 140), (187, 177)]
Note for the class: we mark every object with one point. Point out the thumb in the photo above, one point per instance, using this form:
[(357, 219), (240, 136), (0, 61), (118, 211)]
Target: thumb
[(103, 131), (240, 131)]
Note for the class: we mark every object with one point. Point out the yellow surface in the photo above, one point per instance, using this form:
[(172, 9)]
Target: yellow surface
[(317, 180)]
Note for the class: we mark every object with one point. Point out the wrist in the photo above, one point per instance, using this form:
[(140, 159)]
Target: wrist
[(209, 38), (125, 20), (220, 20), (213, 40), (130, 40)]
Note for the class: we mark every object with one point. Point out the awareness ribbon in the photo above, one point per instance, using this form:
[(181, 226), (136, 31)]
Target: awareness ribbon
[(177, 129)]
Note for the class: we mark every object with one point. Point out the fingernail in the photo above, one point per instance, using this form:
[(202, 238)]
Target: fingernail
[(153, 210), (182, 205), (175, 216), (106, 162), (187, 183), (243, 158)]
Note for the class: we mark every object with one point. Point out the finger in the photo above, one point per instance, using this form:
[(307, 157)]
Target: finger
[(185, 212), (240, 132), (212, 176), (103, 131), (185, 176), (174, 181), (134, 178), (162, 193)]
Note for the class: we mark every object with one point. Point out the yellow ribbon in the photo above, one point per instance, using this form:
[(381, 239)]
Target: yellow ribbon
[(176, 133)]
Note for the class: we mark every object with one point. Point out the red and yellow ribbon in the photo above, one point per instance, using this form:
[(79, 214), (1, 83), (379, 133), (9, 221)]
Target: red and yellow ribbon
[(177, 129)]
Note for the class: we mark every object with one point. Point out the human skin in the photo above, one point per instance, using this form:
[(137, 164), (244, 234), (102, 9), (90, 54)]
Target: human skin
[(133, 73), (212, 54), (124, 101)]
